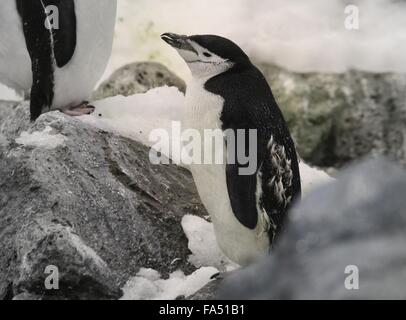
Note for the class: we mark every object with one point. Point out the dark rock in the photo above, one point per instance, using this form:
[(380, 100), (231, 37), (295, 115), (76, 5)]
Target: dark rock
[(26, 296), (136, 78), (92, 205), (358, 221), (340, 117), (208, 292)]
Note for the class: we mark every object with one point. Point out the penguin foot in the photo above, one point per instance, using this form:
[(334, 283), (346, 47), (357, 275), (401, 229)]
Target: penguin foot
[(80, 110)]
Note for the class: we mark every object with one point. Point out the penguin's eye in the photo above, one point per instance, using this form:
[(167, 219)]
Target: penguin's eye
[(206, 54)]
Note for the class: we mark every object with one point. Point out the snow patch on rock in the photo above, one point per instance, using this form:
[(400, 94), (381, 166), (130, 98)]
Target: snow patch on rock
[(136, 116), (203, 244), (41, 139), (148, 285)]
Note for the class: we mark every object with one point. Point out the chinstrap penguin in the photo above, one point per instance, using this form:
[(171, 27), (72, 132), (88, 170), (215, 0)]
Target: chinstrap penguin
[(57, 62), (228, 92)]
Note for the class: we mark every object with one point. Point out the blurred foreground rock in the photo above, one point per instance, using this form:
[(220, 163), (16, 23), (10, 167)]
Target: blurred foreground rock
[(87, 202), (138, 77), (358, 221), (208, 292), (337, 118)]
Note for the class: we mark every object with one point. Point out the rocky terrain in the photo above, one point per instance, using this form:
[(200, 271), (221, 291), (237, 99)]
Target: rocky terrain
[(89, 201), (339, 118), (138, 77)]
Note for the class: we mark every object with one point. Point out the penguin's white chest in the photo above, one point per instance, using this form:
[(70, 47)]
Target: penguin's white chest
[(240, 244), (75, 82)]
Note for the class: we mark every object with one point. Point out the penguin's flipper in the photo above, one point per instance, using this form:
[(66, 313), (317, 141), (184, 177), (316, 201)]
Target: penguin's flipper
[(241, 190), (65, 34), (268, 189), (266, 193), (45, 45)]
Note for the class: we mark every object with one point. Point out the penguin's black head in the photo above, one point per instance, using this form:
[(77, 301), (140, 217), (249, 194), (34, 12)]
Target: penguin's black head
[(207, 55)]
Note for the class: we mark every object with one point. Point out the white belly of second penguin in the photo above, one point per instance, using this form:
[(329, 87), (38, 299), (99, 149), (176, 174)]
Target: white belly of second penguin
[(239, 243), (75, 82)]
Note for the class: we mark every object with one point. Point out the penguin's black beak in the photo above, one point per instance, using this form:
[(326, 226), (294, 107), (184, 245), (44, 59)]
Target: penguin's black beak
[(177, 41)]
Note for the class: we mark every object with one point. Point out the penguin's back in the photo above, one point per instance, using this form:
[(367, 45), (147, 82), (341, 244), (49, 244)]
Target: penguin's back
[(275, 186)]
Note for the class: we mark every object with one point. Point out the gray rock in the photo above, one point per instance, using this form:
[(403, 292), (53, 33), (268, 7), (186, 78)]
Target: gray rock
[(136, 78), (358, 221), (92, 205), (81, 272), (208, 292), (337, 118), (26, 296)]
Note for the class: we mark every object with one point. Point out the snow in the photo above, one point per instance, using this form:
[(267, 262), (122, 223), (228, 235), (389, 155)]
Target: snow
[(41, 139), (148, 285), (312, 178), (8, 94), (136, 116), (299, 35), (203, 245)]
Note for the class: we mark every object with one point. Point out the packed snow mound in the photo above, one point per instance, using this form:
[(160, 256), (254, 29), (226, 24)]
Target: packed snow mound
[(203, 244), (136, 116), (148, 284)]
